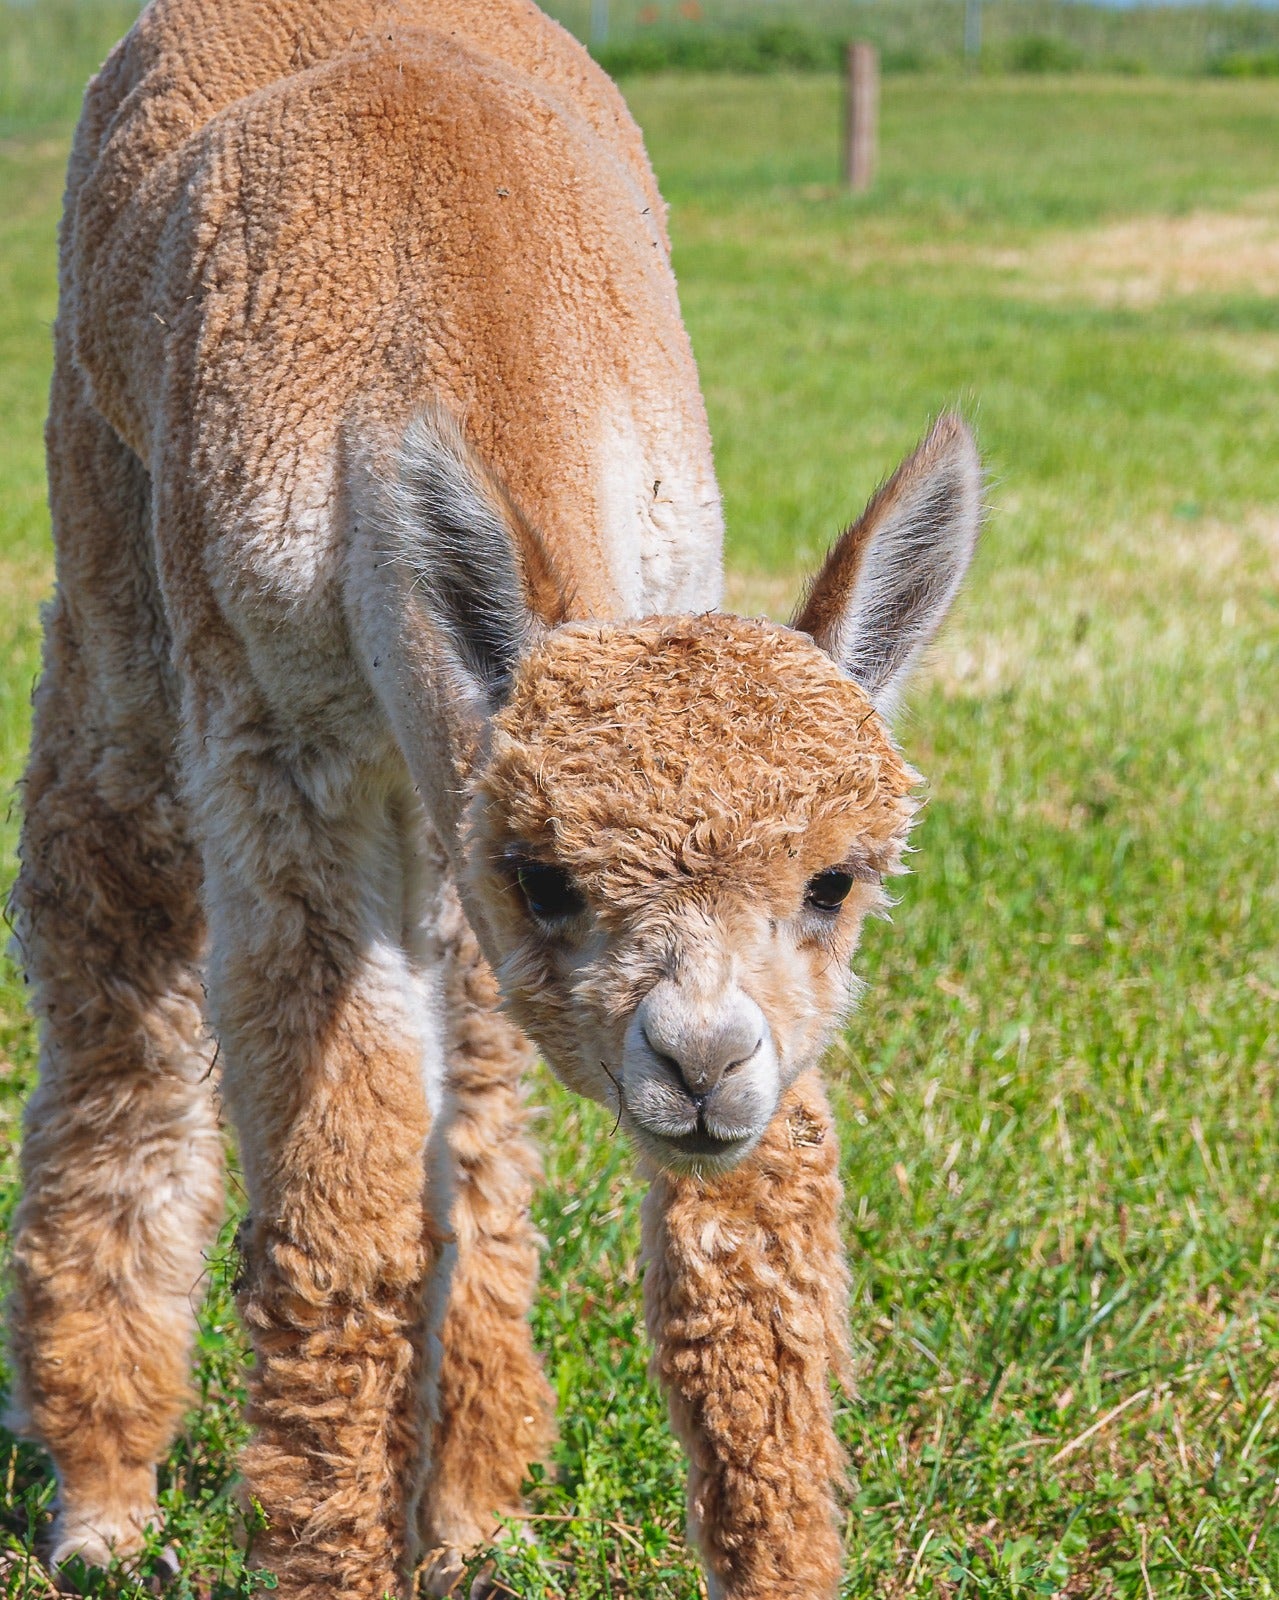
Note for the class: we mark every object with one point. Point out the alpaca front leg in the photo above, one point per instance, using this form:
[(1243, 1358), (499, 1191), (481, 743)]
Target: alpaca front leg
[(492, 1402), (333, 1269), (122, 1156), (324, 1054), (745, 1292)]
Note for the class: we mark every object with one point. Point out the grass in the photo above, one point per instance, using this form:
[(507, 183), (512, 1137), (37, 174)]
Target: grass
[(1057, 1102), (48, 48), (1028, 36)]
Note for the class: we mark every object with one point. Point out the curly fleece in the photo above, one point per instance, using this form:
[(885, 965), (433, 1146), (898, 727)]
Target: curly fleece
[(746, 1298), (692, 748)]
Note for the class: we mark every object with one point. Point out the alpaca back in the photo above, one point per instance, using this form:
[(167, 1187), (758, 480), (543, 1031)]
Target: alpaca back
[(292, 226)]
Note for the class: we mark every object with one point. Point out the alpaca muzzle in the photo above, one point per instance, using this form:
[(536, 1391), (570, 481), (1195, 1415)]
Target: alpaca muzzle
[(700, 1077)]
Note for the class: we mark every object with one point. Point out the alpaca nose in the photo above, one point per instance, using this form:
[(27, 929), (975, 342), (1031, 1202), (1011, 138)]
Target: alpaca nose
[(700, 1042)]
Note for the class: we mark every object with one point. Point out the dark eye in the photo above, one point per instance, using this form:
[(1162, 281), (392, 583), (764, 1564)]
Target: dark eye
[(549, 892), (827, 891)]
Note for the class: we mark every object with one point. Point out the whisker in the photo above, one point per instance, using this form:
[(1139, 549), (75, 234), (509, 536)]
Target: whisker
[(617, 1086)]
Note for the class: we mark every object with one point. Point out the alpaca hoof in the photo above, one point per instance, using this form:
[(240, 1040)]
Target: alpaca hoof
[(92, 1540), (441, 1574), (164, 1569), (79, 1543), (443, 1577), (484, 1586)]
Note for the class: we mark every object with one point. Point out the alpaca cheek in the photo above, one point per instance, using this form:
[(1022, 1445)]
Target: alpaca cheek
[(780, 979), (564, 1001)]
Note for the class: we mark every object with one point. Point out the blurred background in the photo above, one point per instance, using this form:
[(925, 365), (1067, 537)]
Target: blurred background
[(47, 44), (1057, 1101)]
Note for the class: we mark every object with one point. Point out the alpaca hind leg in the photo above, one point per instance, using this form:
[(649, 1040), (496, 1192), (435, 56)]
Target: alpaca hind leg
[(746, 1297), (492, 1404), (122, 1160), (327, 1069)]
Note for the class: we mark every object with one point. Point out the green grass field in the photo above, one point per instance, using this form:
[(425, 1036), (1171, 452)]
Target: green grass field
[(1013, 35), (1058, 1100)]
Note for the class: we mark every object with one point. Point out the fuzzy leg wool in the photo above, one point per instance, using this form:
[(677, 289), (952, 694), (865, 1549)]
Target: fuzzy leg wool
[(333, 1273), (122, 1159), (328, 1051), (745, 1293), (493, 1406), (331, 1396)]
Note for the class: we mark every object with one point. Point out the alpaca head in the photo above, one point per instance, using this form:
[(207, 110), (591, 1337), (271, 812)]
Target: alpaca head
[(675, 827)]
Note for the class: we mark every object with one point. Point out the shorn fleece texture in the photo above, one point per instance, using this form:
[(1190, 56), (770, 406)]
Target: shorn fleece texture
[(386, 713)]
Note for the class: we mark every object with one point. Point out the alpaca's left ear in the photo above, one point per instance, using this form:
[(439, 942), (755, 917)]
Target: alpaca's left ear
[(890, 578)]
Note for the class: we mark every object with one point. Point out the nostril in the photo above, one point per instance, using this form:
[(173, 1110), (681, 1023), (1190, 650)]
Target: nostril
[(666, 1059), (746, 1059), (694, 1084)]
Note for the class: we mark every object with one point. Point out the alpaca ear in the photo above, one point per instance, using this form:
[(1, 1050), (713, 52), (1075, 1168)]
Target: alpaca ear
[(446, 586), (890, 578), (480, 576)]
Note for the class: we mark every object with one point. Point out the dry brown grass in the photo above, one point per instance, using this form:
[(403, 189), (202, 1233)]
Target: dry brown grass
[(26, 579), (761, 594), (1136, 262), (1144, 261), (1099, 610), (1119, 614)]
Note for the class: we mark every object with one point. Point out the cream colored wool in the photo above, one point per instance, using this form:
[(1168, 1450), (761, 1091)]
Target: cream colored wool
[(388, 547)]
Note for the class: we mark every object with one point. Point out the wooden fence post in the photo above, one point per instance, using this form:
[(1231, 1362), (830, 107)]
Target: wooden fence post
[(861, 115), (972, 29), (599, 22)]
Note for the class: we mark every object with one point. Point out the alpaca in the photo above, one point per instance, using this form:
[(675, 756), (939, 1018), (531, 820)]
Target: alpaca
[(386, 698)]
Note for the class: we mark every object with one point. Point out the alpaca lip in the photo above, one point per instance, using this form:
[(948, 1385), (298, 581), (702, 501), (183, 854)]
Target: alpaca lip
[(701, 1143)]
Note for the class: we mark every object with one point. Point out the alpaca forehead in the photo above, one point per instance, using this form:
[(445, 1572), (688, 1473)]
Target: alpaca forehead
[(715, 735)]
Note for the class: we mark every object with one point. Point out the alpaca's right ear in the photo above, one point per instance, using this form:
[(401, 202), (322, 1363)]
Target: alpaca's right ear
[(447, 585), (479, 573), (891, 577)]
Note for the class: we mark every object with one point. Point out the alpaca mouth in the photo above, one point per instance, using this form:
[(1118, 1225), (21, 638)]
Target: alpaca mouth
[(703, 1143), (689, 1147)]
